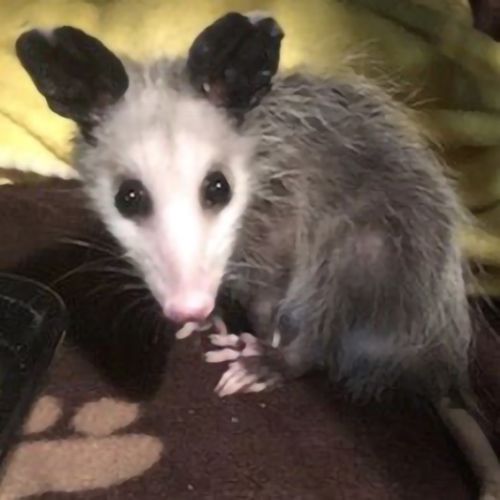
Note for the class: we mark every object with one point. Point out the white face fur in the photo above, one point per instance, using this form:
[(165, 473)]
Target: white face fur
[(170, 142)]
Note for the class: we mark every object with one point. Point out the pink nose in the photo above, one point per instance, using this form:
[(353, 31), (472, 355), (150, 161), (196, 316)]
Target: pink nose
[(194, 307)]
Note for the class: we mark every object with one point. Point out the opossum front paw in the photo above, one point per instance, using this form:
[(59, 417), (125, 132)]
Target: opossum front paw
[(254, 366), (215, 323)]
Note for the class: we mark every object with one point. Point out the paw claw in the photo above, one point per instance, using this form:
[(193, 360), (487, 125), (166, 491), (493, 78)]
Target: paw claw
[(226, 376), (248, 370), (186, 331), (257, 387), (220, 326), (221, 340), (252, 345), (221, 356), (236, 381), (214, 324), (248, 338)]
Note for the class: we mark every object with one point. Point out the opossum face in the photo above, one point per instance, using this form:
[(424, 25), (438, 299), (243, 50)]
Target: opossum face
[(170, 177), (165, 167)]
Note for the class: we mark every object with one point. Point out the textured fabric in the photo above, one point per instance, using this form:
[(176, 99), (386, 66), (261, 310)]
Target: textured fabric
[(125, 416), (319, 34)]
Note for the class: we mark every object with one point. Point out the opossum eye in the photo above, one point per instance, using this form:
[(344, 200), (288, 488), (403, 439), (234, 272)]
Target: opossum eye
[(132, 199), (215, 190)]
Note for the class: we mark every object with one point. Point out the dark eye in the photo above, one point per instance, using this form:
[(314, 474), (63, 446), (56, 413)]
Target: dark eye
[(215, 191), (132, 199)]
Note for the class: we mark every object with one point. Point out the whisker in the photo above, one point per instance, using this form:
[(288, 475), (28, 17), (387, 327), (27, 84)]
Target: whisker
[(86, 266), (92, 245), (151, 310), (136, 287), (135, 303), (117, 289), (128, 272)]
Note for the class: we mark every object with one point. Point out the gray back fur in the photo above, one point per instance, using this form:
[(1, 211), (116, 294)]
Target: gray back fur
[(353, 230)]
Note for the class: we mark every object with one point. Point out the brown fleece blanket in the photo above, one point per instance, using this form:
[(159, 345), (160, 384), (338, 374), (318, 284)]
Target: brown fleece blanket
[(126, 413)]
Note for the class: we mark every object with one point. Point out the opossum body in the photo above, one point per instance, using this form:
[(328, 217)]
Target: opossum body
[(313, 203), (347, 249)]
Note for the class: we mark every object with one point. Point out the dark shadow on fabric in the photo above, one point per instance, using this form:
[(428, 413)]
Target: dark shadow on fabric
[(128, 345), (397, 421)]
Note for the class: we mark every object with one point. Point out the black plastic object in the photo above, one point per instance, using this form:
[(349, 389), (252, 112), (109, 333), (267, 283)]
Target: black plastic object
[(32, 324)]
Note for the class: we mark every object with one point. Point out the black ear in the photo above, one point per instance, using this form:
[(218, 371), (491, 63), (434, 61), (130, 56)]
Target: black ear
[(234, 59), (78, 76)]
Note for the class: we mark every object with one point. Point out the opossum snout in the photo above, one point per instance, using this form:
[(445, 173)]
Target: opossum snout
[(195, 306)]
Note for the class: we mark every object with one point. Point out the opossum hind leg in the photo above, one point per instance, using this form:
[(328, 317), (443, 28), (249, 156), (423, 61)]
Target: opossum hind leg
[(475, 446)]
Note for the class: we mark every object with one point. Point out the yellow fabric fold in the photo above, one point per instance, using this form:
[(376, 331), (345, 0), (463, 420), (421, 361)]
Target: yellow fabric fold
[(425, 50)]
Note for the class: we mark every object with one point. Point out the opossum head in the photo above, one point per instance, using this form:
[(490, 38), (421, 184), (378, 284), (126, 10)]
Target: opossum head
[(159, 149)]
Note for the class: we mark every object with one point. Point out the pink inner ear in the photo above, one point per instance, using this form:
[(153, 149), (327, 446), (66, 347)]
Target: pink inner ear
[(104, 99), (217, 93)]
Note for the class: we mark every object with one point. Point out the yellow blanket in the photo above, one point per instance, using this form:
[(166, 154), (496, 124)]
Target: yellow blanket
[(446, 72)]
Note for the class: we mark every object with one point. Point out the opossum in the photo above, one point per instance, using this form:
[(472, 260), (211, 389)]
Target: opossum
[(313, 201)]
